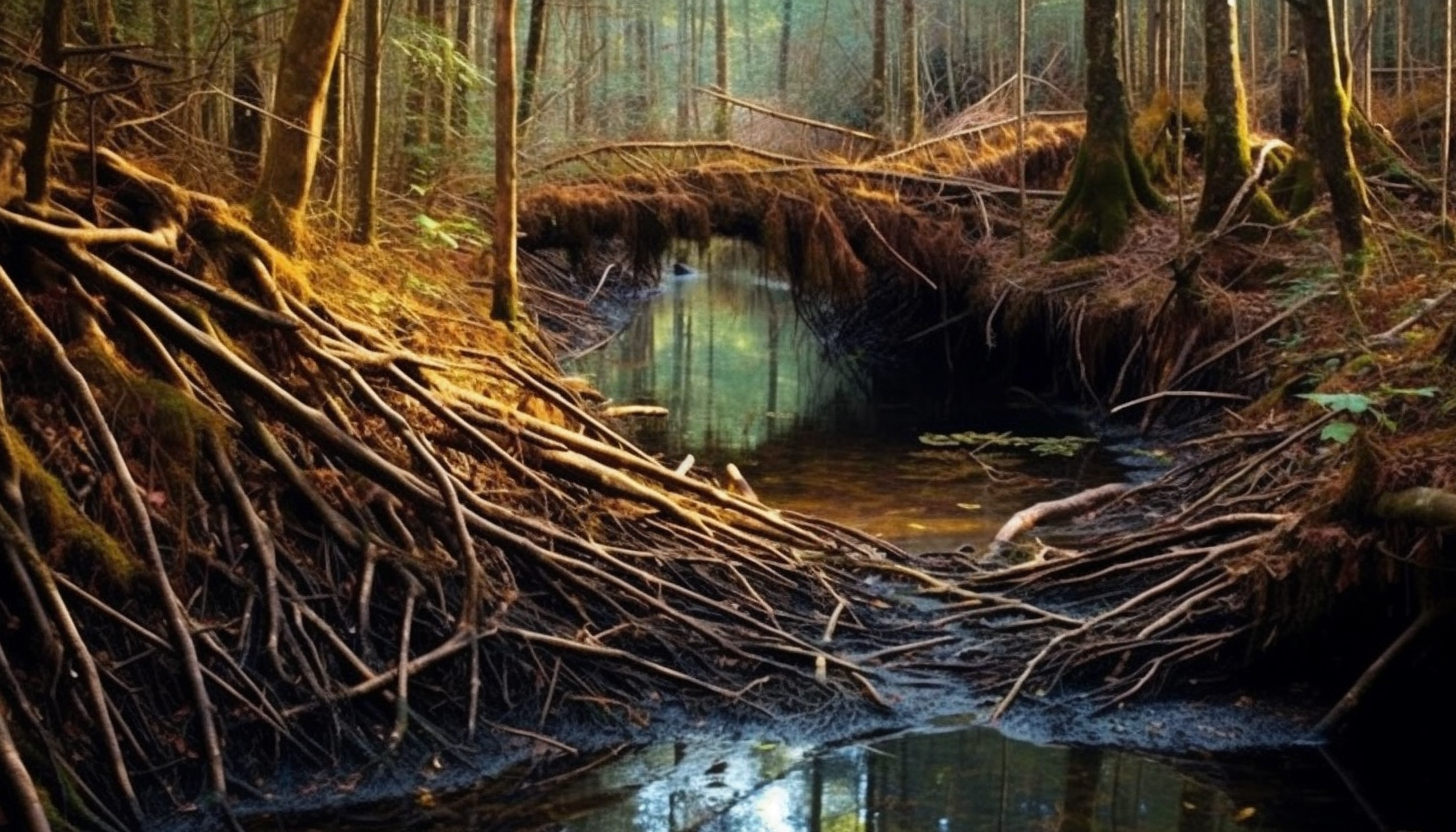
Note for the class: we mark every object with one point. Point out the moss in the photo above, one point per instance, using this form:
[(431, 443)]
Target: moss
[(153, 420), (1293, 190), (67, 537)]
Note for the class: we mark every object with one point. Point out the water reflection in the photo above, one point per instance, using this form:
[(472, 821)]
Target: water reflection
[(723, 351), (964, 780), (745, 382)]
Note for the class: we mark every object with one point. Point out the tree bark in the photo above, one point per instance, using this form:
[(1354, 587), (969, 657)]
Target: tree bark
[(45, 104), (1226, 161), (785, 32), (910, 71), (720, 51), (1329, 127), (366, 224), (1108, 180), (535, 42), (877, 109), (504, 303), (247, 98), (292, 153), (464, 49)]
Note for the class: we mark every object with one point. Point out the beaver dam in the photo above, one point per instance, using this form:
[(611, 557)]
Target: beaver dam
[(286, 532)]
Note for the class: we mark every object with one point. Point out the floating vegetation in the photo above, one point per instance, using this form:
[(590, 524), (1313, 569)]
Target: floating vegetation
[(1039, 445)]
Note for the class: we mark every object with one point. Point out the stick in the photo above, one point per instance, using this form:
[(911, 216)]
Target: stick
[(1077, 504), (1367, 679)]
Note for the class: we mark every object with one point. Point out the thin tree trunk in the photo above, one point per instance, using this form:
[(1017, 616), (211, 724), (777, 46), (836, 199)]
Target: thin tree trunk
[(465, 37), (785, 32), (288, 165), (1253, 83), (879, 72), (909, 71), (248, 103), (535, 50), (1446, 136), (45, 104), (504, 303), (684, 77), (366, 224), (720, 65)]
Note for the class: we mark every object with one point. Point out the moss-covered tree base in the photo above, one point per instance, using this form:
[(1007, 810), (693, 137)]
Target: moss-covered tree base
[(1109, 186)]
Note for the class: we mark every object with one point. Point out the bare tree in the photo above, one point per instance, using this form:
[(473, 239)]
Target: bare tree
[(910, 71), (45, 103), (505, 300), (1226, 161), (535, 52), (720, 53), (366, 223)]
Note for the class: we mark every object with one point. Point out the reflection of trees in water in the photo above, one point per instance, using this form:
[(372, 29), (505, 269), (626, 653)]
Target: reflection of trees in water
[(734, 367)]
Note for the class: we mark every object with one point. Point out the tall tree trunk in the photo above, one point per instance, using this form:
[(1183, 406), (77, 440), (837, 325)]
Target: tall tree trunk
[(1226, 161), (1329, 126), (684, 74), (535, 51), (910, 71), (1108, 180), (248, 103), (288, 164), (878, 107), (504, 300), (366, 224), (720, 65), (465, 38), (36, 158), (785, 31)]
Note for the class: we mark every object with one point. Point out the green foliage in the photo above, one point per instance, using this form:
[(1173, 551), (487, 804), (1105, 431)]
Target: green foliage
[(1357, 404), (448, 233)]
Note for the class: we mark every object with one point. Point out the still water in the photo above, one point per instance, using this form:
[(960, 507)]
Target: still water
[(965, 779), (743, 381)]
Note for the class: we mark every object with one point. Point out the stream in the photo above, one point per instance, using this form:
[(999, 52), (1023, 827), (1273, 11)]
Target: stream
[(744, 382)]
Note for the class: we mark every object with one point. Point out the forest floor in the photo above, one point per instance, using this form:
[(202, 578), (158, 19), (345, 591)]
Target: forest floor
[(369, 516)]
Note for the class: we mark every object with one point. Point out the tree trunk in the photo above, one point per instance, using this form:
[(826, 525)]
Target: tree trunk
[(366, 225), (45, 104), (879, 73), (1226, 163), (303, 76), (720, 53), (464, 48), (504, 302), (785, 31), (248, 103), (535, 43), (1329, 127), (1108, 180), (910, 72)]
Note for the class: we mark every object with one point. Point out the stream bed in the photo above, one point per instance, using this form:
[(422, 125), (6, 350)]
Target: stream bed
[(745, 382)]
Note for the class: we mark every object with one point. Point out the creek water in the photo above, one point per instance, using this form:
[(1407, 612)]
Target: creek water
[(744, 381)]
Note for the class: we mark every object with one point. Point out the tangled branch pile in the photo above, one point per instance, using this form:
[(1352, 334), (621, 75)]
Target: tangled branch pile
[(243, 531)]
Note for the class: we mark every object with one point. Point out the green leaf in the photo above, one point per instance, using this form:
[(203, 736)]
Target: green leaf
[(1340, 431), (1340, 402)]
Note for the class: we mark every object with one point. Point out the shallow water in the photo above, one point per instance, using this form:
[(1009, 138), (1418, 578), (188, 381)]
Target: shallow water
[(745, 382), (951, 779)]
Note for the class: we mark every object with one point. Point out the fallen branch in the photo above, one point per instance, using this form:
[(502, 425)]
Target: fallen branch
[(1028, 518)]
